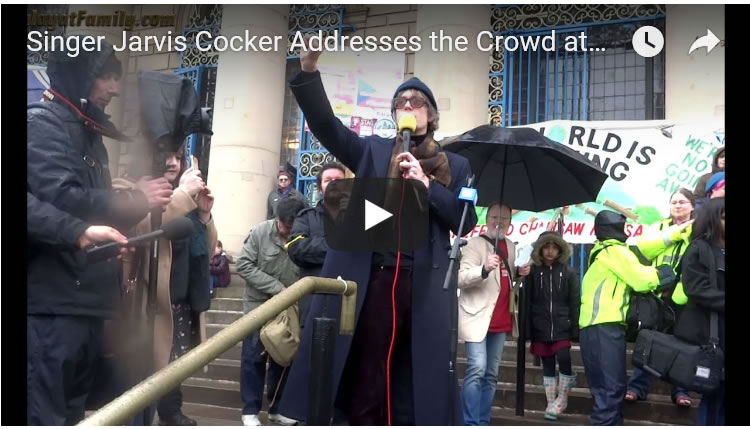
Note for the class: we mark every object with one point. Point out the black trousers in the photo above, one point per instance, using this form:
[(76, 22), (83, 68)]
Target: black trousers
[(365, 371), (61, 351), (171, 403)]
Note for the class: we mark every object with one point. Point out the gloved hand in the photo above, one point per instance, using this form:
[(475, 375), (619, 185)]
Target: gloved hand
[(666, 277)]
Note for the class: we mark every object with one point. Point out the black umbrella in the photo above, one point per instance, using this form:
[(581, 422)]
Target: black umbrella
[(527, 170)]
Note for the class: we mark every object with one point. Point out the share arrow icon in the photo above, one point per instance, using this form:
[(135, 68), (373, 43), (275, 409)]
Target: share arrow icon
[(709, 41)]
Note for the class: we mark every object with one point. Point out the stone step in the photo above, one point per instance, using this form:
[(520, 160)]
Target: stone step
[(231, 291), (222, 317), (212, 415), (657, 408), (509, 351), (226, 304), (229, 369)]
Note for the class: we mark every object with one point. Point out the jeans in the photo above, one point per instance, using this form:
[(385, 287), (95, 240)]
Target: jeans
[(640, 384), (254, 377), (603, 352), (480, 381)]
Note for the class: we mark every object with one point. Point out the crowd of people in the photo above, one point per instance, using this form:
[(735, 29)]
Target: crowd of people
[(93, 330)]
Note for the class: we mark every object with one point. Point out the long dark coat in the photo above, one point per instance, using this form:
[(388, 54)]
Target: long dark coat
[(435, 393)]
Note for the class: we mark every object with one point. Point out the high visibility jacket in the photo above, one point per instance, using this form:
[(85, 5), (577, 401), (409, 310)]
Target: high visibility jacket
[(666, 244), (604, 291)]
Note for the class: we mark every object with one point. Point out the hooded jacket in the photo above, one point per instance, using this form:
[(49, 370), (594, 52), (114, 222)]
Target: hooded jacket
[(46, 224), (700, 188), (705, 291), (614, 271), (67, 166), (553, 294)]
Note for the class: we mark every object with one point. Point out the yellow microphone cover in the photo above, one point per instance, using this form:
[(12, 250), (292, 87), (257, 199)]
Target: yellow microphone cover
[(407, 122)]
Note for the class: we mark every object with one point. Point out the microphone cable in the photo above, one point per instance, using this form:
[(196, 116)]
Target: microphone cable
[(393, 307)]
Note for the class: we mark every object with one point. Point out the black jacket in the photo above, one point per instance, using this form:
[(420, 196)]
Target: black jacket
[(704, 296), (308, 252), (68, 168), (45, 224), (553, 297)]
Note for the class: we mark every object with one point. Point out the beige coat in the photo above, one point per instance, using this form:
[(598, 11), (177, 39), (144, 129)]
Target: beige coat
[(478, 297), (180, 205)]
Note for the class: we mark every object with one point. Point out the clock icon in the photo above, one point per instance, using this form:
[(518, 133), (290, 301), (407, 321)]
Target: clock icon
[(648, 41)]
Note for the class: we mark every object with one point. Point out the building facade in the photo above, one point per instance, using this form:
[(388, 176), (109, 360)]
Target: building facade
[(257, 125)]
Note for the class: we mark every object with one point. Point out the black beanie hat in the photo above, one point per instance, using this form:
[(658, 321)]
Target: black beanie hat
[(415, 83)]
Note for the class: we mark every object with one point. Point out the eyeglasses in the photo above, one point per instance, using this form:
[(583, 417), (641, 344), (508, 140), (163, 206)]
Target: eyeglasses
[(283, 179), (415, 102), (680, 203)]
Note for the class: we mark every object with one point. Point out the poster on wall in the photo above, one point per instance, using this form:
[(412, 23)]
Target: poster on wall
[(647, 161), (360, 89)]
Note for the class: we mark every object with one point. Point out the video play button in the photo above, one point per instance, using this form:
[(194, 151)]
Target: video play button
[(362, 215), (374, 215)]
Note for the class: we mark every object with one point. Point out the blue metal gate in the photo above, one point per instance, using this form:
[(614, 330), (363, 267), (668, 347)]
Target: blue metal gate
[(311, 155)]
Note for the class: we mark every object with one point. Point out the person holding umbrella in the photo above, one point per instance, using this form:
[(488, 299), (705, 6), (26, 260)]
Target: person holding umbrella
[(485, 310), (527, 158)]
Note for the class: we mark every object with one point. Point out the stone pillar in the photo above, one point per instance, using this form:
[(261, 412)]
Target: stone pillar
[(694, 83), (113, 35), (462, 102), (247, 122)]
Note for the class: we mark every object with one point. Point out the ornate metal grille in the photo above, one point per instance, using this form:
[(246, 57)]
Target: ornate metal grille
[(202, 18), (311, 155), (526, 87), (201, 68)]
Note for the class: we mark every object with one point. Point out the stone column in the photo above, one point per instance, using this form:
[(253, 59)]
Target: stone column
[(462, 102), (114, 35), (695, 84), (247, 122)]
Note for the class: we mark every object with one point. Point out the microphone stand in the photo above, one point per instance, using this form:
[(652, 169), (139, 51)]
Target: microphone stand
[(451, 285)]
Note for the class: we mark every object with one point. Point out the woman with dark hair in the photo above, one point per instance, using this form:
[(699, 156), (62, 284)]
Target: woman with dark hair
[(183, 279), (661, 244), (703, 277)]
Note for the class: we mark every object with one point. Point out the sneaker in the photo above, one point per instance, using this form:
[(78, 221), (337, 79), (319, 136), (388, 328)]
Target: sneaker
[(250, 420), (284, 421)]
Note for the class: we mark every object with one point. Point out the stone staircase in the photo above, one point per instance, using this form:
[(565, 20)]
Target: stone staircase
[(212, 396)]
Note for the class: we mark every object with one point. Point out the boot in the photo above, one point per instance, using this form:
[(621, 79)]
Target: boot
[(178, 419), (550, 385), (567, 382)]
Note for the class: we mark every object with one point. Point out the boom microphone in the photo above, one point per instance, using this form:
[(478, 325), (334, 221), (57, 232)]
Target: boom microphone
[(173, 230)]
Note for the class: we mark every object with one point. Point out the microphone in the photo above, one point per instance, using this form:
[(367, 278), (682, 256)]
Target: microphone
[(407, 125), (175, 229)]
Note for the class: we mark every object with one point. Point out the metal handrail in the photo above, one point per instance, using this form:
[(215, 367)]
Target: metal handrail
[(157, 385)]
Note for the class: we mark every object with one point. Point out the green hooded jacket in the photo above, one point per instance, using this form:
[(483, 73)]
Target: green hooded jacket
[(604, 290)]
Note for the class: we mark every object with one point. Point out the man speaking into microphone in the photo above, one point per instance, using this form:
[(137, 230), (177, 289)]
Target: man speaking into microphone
[(383, 374)]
